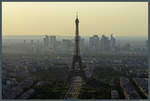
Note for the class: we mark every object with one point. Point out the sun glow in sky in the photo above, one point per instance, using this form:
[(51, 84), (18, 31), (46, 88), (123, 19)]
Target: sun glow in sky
[(58, 18)]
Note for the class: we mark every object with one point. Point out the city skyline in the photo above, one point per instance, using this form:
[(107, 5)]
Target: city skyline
[(36, 18), (101, 68)]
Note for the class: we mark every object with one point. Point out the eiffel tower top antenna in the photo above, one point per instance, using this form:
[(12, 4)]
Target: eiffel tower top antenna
[(76, 14)]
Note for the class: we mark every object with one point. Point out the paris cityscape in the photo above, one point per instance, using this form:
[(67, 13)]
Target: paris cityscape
[(96, 66), (43, 69)]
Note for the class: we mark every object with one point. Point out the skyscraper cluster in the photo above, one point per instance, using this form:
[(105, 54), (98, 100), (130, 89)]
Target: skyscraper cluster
[(102, 44), (50, 42)]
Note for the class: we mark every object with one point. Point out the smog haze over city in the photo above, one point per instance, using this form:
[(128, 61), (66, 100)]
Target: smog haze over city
[(75, 50)]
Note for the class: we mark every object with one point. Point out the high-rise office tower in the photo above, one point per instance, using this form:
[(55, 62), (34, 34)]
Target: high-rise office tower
[(47, 40), (38, 46), (52, 42), (105, 43), (32, 45), (44, 39), (94, 43), (112, 42), (24, 42)]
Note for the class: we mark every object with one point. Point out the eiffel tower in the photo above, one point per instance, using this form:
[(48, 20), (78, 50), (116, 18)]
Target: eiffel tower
[(77, 67)]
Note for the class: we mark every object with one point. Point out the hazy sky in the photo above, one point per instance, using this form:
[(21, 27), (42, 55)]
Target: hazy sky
[(58, 18)]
